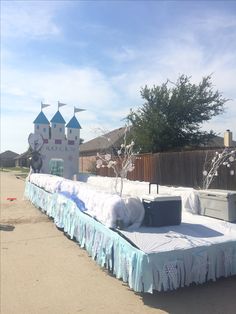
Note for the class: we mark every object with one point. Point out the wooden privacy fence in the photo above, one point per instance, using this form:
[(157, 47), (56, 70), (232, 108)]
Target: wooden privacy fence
[(178, 168)]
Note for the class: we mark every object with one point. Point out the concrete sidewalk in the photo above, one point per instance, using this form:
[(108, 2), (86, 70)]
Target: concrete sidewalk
[(44, 272)]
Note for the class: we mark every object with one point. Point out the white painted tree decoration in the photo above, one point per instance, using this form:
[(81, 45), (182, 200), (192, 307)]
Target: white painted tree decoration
[(122, 162), (225, 158)]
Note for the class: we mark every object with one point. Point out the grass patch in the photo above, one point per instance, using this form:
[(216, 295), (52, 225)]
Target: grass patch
[(22, 170)]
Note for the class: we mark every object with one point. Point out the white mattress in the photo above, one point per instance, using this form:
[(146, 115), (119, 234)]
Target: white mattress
[(194, 231)]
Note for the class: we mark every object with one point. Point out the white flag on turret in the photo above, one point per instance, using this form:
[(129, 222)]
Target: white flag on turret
[(60, 104), (44, 105), (78, 110)]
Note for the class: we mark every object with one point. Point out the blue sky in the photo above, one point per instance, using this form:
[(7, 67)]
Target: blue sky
[(97, 55)]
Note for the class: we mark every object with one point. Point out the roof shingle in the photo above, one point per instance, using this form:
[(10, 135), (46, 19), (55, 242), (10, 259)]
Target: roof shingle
[(57, 118), (41, 119), (73, 124), (103, 142)]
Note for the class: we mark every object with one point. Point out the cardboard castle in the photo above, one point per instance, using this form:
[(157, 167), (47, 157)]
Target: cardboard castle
[(59, 152)]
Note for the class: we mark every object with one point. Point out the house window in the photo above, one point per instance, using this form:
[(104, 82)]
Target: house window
[(70, 131), (76, 137), (37, 127), (44, 130), (54, 126), (60, 129)]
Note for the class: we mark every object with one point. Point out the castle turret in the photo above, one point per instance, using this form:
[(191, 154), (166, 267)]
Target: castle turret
[(73, 130), (58, 128), (41, 126)]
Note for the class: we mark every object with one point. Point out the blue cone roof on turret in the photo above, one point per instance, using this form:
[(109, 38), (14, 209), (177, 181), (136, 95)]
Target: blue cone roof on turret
[(41, 119), (73, 124), (57, 118)]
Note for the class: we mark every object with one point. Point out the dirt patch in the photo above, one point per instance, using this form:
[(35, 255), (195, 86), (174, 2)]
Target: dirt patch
[(6, 227), (23, 220)]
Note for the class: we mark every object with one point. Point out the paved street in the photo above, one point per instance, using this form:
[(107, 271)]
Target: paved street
[(42, 271)]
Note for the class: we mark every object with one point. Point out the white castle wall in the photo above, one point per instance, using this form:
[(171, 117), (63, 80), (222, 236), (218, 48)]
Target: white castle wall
[(58, 131), (69, 154), (73, 134), (42, 129)]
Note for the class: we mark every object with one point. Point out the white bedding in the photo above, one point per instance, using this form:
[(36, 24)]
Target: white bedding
[(110, 209), (132, 188), (47, 182), (194, 231), (189, 197)]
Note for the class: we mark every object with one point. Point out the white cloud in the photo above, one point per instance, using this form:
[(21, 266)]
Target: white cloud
[(215, 21), (82, 87), (15, 129), (28, 19), (123, 54), (85, 88)]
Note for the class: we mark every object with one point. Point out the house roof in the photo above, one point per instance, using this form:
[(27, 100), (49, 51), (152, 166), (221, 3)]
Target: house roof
[(23, 155), (57, 118), (103, 142), (73, 124), (41, 119), (217, 142), (8, 154)]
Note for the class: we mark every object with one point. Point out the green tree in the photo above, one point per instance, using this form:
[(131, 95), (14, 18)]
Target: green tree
[(172, 114)]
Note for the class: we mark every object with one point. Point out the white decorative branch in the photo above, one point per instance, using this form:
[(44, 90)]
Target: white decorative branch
[(225, 158), (121, 163)]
